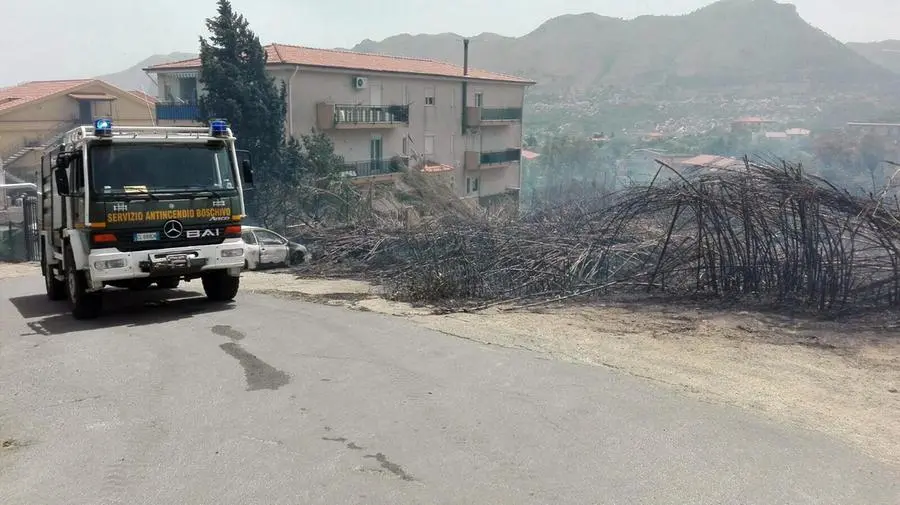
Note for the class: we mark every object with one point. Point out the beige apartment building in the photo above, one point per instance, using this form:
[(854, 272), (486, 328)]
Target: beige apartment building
[(35, 114), (378, 107)]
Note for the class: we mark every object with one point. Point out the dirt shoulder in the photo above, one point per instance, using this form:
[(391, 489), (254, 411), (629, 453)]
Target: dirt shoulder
[(838, 378), (8, 270)]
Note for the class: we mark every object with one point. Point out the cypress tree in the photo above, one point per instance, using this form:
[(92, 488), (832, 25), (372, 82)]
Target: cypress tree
[(237, 88)]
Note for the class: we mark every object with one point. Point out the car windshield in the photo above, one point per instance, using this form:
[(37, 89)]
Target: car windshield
[(154, 168)]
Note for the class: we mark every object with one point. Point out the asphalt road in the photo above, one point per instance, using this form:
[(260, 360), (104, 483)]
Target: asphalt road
[(270, 401)]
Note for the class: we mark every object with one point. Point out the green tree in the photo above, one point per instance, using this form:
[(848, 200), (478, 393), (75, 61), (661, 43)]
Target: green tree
[(320, 177), (238, 88), (296, 180)]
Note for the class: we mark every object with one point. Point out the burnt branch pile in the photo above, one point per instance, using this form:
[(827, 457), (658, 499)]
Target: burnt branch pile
[(770, 232)]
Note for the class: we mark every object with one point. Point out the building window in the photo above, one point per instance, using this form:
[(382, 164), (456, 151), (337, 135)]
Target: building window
[(429, 144), (471, 185), (187, 89), (405, 146), (479, 99), (429, 95), (452, 151)]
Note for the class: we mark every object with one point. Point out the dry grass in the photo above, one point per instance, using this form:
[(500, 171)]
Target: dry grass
[(765, 233)]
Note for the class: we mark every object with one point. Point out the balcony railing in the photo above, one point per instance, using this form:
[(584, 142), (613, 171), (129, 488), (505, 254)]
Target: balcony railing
[(475, 160), (361, 116), (501, 114), (483, 116), (501, 157), (373, 167), (173, 111)]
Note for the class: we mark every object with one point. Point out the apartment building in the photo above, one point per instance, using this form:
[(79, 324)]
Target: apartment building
[(378, 107), (35, 114)]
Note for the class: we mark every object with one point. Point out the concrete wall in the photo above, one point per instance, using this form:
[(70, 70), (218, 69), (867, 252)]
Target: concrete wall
[(38, 121)]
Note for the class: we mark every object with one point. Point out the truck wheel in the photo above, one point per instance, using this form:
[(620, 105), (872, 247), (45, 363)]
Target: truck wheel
[(56, 289), (168, 282), (219, 286), (84, 305)]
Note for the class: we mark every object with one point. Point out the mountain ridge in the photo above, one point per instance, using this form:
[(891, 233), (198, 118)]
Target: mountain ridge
[(885, 53), (726, 43)]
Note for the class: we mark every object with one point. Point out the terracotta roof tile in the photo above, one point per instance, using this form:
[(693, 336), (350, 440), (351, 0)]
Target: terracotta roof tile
[(712, 161), (331, 58), (15, 96), (753, 120), (144, 96), (432, 167)]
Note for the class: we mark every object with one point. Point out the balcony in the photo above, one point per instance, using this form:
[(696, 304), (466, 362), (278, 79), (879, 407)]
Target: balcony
[(492, 159), (174, 111), (488, 116), (360, 117), (370, 168)]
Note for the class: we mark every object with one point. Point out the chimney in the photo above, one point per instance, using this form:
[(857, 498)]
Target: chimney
[(465, 56)]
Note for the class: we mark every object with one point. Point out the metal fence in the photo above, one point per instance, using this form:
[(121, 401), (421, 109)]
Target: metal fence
[(371, 114), (172, 111), (20, 233), (371, 167)]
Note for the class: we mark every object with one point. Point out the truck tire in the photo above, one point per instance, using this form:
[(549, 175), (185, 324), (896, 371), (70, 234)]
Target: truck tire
[(56, 289), (84, 305), (168, 282), (219, 286)]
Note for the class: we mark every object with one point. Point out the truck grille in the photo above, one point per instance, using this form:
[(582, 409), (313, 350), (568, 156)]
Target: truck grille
[(125, 240)]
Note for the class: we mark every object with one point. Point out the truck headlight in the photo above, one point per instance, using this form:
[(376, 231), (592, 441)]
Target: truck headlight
[(109, 264), (232, 253)]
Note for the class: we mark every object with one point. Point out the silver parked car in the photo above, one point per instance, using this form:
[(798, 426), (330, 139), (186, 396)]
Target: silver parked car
[(265, 248)]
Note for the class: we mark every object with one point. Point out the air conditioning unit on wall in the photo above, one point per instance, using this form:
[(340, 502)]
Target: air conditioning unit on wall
[(360, 82)]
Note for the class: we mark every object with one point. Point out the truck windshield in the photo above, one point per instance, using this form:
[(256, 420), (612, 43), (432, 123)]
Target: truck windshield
[(160, 168)]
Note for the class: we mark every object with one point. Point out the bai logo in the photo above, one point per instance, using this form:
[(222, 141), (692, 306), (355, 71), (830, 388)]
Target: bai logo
[(202, 233)]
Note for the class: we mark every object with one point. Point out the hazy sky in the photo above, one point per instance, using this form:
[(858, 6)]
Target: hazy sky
[(57, 39)]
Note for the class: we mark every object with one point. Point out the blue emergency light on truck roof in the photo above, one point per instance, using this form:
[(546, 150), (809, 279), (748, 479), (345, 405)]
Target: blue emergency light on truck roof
[(218, 128), (103, 128)]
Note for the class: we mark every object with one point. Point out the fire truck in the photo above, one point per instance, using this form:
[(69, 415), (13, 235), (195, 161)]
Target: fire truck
[(131, 206)]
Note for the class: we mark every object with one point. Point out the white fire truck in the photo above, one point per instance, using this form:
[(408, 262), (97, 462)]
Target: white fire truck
[(128, 206)]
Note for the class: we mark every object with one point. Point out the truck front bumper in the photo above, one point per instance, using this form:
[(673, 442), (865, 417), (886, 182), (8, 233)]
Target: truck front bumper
[(110, 264)]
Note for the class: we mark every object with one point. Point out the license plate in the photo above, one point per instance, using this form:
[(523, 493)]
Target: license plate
[(147, 236)]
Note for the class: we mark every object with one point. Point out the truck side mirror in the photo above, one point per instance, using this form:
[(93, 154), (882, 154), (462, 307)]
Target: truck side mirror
[(247, 170), (62, 181), (243, 157), (62, 159)]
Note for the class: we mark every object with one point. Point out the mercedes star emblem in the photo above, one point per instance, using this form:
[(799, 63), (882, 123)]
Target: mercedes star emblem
[(173, 229)]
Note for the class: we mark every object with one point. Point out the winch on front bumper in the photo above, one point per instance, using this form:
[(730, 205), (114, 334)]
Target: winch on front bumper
[(110, 264), (173, 263)]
